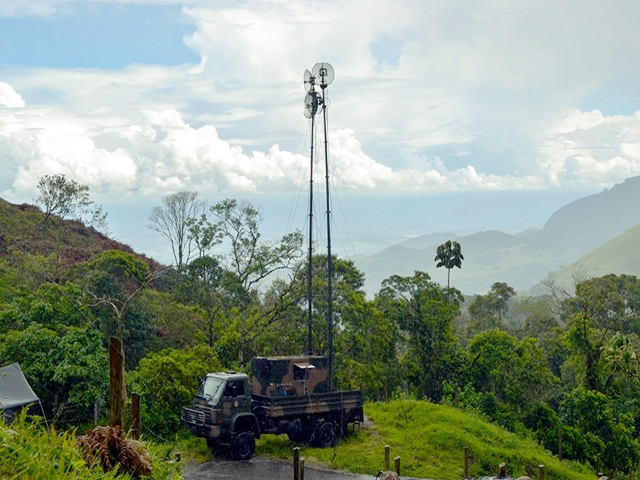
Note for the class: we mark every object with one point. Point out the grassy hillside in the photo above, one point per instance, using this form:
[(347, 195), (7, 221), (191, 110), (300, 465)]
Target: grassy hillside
[(430, 439), (618, 256)]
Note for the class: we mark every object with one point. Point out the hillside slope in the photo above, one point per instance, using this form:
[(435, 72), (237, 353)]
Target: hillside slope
[(618, 256), (23, 229)]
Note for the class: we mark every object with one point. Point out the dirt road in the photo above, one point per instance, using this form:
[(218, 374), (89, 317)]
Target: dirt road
[(259, 468)]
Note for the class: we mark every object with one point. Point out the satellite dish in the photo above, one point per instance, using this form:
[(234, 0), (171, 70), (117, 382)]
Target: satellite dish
[(310, 103), (308, 80), (324, 72)]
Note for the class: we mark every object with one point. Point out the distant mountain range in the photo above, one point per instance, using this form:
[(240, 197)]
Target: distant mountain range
[(592, 236)]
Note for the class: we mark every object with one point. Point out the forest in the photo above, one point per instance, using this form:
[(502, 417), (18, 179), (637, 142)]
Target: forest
[(564, 362)]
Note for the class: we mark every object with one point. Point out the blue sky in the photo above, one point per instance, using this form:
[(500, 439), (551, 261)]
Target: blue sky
[(473, 108), (97, 35)]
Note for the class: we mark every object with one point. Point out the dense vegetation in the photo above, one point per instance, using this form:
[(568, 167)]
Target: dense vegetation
[(536, 366)]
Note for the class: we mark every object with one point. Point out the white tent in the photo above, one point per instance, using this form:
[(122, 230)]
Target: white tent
[(15, 391)]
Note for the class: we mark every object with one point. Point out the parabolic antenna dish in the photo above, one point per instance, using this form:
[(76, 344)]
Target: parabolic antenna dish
[(310, 104), (308, 80), (324, 73)]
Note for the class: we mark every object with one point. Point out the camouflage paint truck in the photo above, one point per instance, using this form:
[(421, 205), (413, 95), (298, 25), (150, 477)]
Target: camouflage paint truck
[(285, 395)]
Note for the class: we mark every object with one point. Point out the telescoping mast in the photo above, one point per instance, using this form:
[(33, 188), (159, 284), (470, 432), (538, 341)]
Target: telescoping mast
[(321, 75)]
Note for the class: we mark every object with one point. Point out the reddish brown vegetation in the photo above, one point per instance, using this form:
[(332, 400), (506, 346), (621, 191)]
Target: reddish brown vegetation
[(108, 447)]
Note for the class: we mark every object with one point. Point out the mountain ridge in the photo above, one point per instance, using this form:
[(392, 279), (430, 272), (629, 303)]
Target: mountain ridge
[(524, 259)]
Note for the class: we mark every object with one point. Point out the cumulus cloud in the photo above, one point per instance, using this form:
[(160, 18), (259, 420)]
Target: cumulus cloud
[(9, 97), (164, 153), (459, 96), (588, 148)]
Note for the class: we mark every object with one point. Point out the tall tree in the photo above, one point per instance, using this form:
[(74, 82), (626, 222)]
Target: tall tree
[(449, 255), (250, 258), (421, 310), (601, 308), (487, 311), (68, 199), (173, 219), (114, 278)]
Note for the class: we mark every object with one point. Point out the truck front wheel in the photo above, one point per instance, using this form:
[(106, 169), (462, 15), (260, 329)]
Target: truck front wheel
[(243, 446), (325, 436)]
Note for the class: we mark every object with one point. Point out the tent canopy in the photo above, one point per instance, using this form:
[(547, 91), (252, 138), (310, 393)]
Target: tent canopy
[(14, 388)]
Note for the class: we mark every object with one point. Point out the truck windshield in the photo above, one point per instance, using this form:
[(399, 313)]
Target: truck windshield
[(211, 388)]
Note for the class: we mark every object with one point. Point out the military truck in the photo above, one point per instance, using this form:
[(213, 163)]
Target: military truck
[(286, 395)]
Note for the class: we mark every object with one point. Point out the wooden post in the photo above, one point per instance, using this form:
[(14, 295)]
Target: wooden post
[(501, 469), (135, 416), (466, 462), (117, 389), (541, 472), (598, 465), (611, 472), (301, 469), (560, 444), (296, 463), (386, 458), (397, 465)]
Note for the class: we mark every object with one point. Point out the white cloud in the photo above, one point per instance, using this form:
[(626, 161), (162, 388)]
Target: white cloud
[(588, 148), (421, 94), (9, 97)]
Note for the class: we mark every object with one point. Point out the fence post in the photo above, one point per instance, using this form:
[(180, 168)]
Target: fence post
[(598, 465), (296, 463), (466, 462), (301, 469), (560, 444), (135, 416), (117, 386), (611, 472), (541, 472), (386, 458), (397, 464), (501, 469)]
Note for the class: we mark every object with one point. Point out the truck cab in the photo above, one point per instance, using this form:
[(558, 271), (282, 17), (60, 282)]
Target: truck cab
[(222, 412)]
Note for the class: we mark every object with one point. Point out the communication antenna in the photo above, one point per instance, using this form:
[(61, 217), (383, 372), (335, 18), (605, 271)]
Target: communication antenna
[(324, 72), (311, 103)]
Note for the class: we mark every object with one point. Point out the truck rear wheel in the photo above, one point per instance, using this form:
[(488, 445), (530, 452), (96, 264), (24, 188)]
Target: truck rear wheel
[(300, 437), (325, 436), (242, 446)]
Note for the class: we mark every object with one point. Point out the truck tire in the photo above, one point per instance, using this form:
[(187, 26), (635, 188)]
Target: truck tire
[(325, 435), (303, 437), (242, 446)]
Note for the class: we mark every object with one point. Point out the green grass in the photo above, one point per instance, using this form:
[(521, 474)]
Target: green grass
[(30, 451), (429, 440)]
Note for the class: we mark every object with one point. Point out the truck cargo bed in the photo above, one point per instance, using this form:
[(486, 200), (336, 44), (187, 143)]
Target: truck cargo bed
[(283, 406)]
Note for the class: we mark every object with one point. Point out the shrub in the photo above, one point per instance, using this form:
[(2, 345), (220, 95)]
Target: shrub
[(167, 381)]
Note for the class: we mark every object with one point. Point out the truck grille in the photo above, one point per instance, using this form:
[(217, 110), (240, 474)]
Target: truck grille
[(193, 417)]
